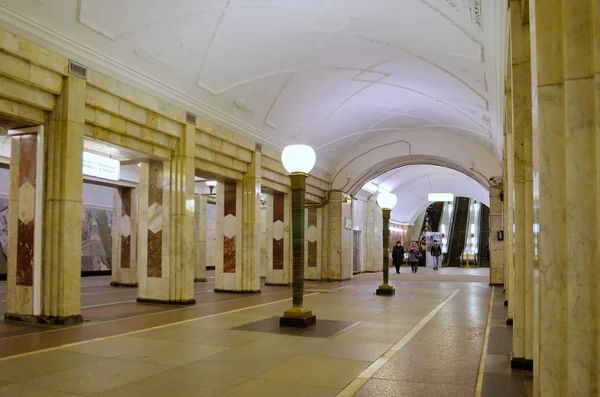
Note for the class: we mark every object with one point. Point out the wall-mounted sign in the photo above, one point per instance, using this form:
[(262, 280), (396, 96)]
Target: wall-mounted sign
[(101, 167)]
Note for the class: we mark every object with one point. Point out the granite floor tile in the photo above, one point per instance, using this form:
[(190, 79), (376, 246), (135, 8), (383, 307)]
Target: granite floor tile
[(92, 379), (20, 390), (210, 337), (392, 388), (499, 341), (179, 383), (286, 344), (172, 354), (28, 367), (226, 321), (114, 347), (497, 363), (349, 350), (374, 332), (263, 387), (239, 366), (502, 385), (317, 371), (322, 329)]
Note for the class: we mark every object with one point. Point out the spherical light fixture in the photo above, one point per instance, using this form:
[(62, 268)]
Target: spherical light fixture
[(211, 185), (386, 200), (298, 158)]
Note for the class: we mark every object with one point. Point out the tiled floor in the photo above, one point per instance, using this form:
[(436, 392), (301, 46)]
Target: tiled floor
[(234, 348), (499, 379)]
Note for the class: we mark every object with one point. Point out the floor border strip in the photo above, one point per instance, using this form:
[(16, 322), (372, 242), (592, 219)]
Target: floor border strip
[(486, 339), (372, 369)]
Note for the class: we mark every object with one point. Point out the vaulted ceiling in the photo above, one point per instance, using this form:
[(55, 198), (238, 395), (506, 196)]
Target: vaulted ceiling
[(335, 74), (413, 183)]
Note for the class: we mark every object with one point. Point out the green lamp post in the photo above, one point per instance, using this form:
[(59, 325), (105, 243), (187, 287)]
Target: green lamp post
[(298, 160), (386, 201)]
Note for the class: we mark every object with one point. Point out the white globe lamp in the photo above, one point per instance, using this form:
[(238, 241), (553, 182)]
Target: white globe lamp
[(298, 159), (386, 200)]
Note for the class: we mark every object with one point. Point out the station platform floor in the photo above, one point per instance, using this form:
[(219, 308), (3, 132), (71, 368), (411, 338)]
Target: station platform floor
[(442, 334)]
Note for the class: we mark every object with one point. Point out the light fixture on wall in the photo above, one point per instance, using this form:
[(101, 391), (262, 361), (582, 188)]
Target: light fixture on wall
[(298, 160), (211, 185), (440, 196), (386, 201)]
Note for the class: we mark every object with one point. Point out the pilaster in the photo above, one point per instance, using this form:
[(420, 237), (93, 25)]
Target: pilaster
[(497, 261), (251, 189)]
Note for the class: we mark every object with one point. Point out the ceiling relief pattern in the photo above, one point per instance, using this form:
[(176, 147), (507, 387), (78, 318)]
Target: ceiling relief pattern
[(471, 6), (333, 74)]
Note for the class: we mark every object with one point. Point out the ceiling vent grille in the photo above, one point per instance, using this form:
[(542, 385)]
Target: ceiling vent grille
[(190, 118), (78, 70), (258, 147)]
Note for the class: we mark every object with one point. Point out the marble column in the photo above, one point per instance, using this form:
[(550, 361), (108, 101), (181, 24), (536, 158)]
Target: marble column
[(523, 190), (251, 189), (497, 261), (373, 236), (25, 225), (278, 218), (166, 227), (201, 227), (125, 223), (312, 245), (566, 52), (49, 290), (340, 237)]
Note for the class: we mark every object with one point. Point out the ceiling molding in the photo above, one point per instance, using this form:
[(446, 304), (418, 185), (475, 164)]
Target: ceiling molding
[(54, 41)]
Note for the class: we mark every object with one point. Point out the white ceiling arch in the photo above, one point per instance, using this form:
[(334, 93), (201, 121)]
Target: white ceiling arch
[(412, 184), (334, 74)]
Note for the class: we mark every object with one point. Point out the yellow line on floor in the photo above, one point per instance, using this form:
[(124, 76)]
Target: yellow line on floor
[(143, 330), (486, 339), (372, 369)]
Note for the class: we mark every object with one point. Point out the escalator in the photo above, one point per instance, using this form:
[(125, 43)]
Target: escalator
[(484, 237), (438, 208), (435, 216), (458, 232)]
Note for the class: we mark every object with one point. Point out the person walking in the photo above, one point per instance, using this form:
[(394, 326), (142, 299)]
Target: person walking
[(436, 252), (398, 256), (413, 256)]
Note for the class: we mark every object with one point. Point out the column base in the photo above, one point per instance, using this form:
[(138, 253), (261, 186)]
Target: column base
[(509, 322), (167, 302), (521, 363), (280, 284), (297, 317), (297, 322), (200, 280), (232, 291), (385, 290), (117, 284), (506, 302), (46, 320)]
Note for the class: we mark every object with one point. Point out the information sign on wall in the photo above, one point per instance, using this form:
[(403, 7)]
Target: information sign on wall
[(101, 167)]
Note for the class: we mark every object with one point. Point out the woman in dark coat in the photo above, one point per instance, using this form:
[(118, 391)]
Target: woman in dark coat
[(398, 255)]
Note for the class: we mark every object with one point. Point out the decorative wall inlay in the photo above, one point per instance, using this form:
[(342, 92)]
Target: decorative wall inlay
[(312, 237), (125, 227), (155, 201), (26, 211), (229, 226), (96, 241), (278, 231)]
